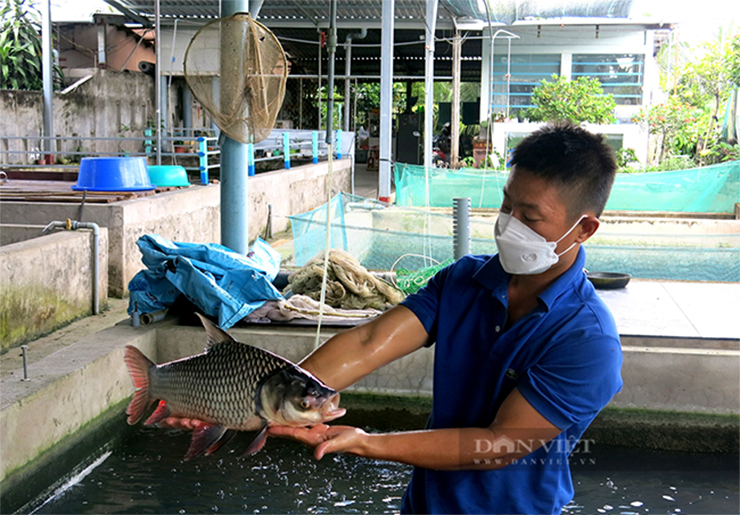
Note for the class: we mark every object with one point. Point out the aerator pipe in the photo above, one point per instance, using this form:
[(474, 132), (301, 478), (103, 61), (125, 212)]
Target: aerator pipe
[(461, 227), (73, 225)]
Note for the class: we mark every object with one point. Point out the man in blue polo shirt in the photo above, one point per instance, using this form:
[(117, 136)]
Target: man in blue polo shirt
[(526, 354)]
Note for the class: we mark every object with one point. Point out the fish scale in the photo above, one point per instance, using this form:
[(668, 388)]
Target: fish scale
[(218, 385)]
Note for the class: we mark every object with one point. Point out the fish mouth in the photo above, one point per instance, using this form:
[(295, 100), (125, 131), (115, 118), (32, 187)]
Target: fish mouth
[(331, 409)]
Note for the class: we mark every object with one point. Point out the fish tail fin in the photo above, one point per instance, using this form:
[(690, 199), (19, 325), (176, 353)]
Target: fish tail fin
[(138, 367)]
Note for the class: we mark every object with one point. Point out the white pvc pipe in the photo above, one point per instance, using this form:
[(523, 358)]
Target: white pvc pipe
[(431, 26)]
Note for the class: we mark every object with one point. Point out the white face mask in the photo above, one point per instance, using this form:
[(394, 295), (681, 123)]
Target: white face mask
[(521, 250)]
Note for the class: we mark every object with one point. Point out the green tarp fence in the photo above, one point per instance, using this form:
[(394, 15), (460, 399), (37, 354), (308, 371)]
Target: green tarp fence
[(709, 189), (384, 237)]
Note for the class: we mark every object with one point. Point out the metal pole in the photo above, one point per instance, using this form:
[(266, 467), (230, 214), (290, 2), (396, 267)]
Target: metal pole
[(332, 48), (234, 154), (461, 227), (431, 26), (300, 103), (319, 86), (187, 109), (455, 111), (386, 101), (48, 83), (157, 85), (347, 71), (24, 350)]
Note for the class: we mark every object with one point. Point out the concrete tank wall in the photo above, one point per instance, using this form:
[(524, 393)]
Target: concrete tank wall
[(46, 282), (86, 381), (189, 214)]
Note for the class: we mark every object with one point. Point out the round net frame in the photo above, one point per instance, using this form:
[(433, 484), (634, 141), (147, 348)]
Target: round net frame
[(252, 67)]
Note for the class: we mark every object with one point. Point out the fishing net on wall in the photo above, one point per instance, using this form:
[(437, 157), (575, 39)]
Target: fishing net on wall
[(710, 189), (252, 69)]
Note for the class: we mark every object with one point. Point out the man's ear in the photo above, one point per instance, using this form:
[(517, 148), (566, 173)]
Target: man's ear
[(587, 227)]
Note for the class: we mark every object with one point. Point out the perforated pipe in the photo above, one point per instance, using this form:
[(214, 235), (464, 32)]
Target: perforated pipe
[(461, 227)]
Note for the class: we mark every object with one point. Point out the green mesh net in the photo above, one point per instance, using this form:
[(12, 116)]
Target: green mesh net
[(378, 235), (411, 281), (710, 189)]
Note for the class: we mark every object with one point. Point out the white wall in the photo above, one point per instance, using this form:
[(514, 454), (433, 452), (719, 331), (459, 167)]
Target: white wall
[(583, 39), (634, 136)]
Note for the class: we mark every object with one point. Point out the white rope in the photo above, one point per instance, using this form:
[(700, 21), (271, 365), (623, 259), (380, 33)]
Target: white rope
[(426, 237), (322, 298), (393, 266)]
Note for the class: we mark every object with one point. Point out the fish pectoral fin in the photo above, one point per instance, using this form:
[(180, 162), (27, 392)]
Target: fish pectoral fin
[(161, 413), (258, 443), (225, 438), (203, 439)]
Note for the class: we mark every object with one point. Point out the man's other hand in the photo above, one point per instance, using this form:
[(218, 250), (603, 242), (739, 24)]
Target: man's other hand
[(324, 438)]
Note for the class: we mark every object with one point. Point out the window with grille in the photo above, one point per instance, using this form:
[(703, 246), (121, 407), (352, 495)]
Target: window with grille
[(619, 74)]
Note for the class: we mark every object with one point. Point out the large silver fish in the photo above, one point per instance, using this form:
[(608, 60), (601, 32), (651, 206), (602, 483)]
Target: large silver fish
[(232, 386)]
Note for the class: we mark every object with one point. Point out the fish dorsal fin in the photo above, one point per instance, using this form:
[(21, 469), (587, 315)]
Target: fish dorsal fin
[(215, 334)]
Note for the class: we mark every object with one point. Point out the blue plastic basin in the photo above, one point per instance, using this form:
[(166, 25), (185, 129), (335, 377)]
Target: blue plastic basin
[(113, 174), (168, 175)]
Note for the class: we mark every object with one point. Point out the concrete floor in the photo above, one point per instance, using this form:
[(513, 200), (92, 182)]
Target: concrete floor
[(676, 309), (366, 183)]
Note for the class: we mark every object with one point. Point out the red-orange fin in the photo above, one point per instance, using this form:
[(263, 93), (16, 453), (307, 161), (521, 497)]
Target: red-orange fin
[(226, 438), (138, 367), (258, 443), (161, 413), (204, 438)]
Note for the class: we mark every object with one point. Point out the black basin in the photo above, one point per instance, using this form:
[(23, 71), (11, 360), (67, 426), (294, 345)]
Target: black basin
[(608, 280)]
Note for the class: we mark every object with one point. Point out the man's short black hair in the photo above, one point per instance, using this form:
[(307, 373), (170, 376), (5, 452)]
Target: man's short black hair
[(578, 161)]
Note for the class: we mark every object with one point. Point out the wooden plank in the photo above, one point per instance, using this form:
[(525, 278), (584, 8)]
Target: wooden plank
[(96, 200)]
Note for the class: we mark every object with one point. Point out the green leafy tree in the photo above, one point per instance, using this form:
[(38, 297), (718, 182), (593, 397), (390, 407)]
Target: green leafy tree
[(706, 81), (20, 46), (699, 79), (733, 61), (677, 124), (580, 100)]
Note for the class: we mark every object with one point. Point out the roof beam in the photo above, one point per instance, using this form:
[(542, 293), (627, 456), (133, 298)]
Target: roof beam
[(350, 23), (145, 22)]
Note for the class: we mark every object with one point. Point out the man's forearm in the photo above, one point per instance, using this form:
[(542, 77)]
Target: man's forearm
[(440, 449), (349, 356)]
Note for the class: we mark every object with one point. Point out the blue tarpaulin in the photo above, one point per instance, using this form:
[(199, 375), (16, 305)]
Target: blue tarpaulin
[(219, 281)]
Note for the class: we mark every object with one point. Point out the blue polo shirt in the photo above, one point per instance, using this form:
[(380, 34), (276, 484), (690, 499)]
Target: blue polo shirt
[(564, 357)]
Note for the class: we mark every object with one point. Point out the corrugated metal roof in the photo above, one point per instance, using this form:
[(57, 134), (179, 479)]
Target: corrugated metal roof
[(297, 13), (298, 24), (408, 13)]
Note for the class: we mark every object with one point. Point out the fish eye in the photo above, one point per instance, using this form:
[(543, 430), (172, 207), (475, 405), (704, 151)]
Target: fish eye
[(305, 404)]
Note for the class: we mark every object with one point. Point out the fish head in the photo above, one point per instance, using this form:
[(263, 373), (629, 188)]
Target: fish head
[(294, 397)]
